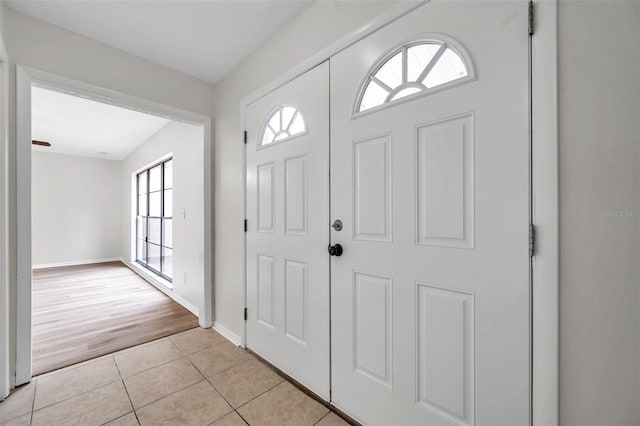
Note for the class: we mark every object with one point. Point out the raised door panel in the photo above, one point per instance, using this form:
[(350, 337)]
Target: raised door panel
[(266, 197), (296, 304), (445, 352), (296, 196), (372, 189), (444, 154), (372, 333)]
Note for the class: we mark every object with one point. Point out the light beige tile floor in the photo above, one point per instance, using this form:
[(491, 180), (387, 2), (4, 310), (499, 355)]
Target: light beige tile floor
[(192, 378)]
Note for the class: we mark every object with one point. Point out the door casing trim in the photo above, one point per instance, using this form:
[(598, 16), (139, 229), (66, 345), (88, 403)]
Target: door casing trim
[(544, 182), (5, 374), (25, 76)]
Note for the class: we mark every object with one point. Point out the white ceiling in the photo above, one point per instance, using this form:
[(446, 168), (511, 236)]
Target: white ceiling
[(203, 38), (79, 126)]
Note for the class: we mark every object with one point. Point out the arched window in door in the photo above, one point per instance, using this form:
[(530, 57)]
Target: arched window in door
[(281, 124), (414, 69)]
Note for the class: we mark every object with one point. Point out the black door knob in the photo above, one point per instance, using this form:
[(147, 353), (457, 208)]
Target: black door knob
[(335, 250)]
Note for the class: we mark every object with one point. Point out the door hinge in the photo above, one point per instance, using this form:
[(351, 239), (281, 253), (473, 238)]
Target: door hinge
[(531, 18), (245, 137), (246, 225), (532, 240), (245, 314)]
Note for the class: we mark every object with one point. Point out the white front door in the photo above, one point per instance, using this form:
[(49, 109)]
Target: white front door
[(287, 230), (430, 178)]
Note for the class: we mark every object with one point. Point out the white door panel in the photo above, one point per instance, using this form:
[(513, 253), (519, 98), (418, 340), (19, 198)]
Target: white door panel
[(430, 300), (288, 214)]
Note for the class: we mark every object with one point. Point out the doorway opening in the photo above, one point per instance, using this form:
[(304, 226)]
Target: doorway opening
[(113, 266)]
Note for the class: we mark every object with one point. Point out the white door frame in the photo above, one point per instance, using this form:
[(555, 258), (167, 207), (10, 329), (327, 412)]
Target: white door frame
[(544, 175), (25, 76), (5, 382)]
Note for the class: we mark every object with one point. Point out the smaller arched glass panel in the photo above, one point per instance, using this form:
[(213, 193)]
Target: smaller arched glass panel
[(413, 68), (283, 123)]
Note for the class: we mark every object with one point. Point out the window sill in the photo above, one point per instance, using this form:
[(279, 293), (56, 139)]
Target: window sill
[(155, 279)]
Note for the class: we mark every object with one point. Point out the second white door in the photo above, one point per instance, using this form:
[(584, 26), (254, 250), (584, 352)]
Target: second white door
[(287, 231)]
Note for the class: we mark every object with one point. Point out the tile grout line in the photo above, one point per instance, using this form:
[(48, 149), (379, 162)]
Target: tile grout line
[(262, 393), (126, 391), (327, 404), (151, 368), (217, 372), (321, 418), (33, 403), (77, 395), (240, 415), (72, 396), (193, 384), (216, 390), (200, 350), (225, 399), (166, 396), (122, 379), (231, 412), (112, 356), (221, 396), (118, 418), (182, 355), (234, 366), (53, 373), (98, 357)]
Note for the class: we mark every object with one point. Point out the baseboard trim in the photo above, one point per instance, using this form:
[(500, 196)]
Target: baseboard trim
[(147, 276), (227, 334), (75, 262)]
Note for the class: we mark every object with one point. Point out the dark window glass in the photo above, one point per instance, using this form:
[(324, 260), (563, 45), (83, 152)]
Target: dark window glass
[(154, 231)]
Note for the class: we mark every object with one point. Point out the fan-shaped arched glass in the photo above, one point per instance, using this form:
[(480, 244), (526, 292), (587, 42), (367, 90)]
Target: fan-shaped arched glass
[(282, 123), (414, 68)]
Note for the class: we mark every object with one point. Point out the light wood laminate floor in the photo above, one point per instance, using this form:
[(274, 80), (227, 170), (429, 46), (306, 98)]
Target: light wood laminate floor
[(82, 312)]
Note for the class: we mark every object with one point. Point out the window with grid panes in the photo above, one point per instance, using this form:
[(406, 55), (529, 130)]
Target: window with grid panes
[(154, 230)]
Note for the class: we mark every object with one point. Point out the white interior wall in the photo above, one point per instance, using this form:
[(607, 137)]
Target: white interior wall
[(319, 26), (184, 141), (599, 112), (75, 209), (38, 44)]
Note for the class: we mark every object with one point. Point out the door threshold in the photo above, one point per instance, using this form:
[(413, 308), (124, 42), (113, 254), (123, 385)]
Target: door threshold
[(344, 416)]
